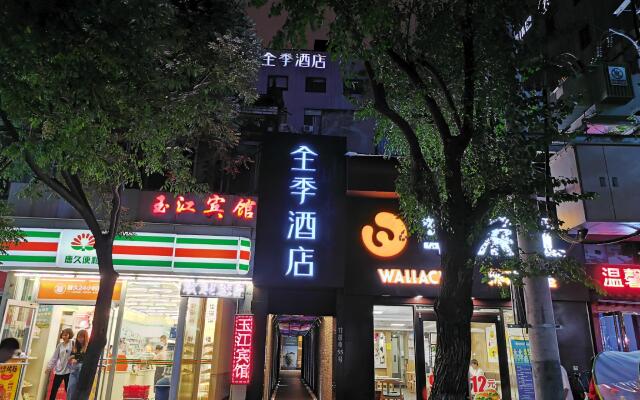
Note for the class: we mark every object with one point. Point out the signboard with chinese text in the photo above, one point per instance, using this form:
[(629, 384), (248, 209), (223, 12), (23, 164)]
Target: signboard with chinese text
[(299, 237), (298, 59), (9, 380), (242, 356), (618, 280), (72, 289), (229, 290), (210, 209), (384, 259), (524, 375), (74, 250), (214, 209)]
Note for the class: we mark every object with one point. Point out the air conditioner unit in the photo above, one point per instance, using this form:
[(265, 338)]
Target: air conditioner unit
[(307, 128)]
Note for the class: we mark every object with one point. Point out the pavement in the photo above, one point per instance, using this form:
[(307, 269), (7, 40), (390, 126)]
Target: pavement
[(291, 386)]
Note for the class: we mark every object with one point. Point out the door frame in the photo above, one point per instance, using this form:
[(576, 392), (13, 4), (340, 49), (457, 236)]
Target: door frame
[(425, 314)]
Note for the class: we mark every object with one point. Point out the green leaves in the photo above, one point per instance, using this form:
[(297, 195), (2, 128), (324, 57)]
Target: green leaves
[(113, 92)]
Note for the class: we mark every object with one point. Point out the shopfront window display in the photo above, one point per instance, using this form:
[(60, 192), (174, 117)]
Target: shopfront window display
[(498, 367), (394, 352)]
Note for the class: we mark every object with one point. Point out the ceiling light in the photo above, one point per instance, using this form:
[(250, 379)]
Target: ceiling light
[(378, 312), (397, 324)]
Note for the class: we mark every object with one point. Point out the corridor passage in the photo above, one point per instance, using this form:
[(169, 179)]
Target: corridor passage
[(291, 386)]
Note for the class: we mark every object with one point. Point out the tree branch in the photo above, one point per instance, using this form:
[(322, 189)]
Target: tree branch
[(438, 116), (116, 210), (421, 173), (437, 76), (468, 92), (85, 212)]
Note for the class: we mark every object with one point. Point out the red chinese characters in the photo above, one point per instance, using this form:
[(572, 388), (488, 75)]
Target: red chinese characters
[(244, 209), (620, 276), (215, 206), (183, 205), (242, 354), (160, 206)]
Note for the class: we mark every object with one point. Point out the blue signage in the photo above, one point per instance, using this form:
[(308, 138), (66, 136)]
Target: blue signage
[(524, 374)]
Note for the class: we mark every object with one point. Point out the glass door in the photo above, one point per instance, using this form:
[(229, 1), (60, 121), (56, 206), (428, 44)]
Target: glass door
[(488, 367), (199, 373), (18, 322), (19, 317)]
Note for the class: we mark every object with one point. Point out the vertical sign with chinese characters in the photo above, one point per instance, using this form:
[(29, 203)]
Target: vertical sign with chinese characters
[(242, 354), (300, 233), (302, 218)]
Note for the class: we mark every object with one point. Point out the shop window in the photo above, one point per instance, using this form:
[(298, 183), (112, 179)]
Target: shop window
[(278, 81), (315, 85), (312, 121), (394, 352)]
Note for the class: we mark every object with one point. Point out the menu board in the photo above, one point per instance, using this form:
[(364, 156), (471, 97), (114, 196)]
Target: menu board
[(524, 374)]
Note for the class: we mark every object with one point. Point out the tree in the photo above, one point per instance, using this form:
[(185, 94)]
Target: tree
[(98, 96), (449, 88)]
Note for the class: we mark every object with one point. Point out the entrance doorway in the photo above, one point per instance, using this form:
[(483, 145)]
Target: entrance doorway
[(405, 341), (299, 357)]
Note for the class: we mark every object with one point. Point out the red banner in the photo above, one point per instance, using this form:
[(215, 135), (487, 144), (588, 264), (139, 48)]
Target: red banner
[(242, 350)]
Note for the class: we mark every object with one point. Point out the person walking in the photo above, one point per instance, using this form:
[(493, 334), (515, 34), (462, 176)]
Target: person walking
[(76, 359), (59, 363)]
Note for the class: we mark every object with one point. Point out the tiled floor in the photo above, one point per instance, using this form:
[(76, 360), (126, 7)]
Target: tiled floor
[(291, 387)]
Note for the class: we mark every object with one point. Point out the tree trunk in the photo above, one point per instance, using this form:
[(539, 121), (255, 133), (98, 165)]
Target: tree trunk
[(545, 356), (100, 326), (454, 309)]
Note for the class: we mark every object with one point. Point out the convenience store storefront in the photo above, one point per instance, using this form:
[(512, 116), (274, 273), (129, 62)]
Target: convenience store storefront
[(173, 307)]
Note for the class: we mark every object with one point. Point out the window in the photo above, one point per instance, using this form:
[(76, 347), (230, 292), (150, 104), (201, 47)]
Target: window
[(320, 45), (315, 85), (278, 81), (394, 352), (353, 86), (312, 120), (585, 37)]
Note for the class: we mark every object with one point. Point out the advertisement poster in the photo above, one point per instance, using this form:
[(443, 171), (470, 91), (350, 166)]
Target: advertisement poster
[(521, 358), (290, 353), (492, 344), (380, 350), (9, 380)]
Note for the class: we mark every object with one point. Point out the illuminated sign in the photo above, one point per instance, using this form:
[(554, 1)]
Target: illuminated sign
[(619, 277), (242, 355), (229, 290), (500, 241), (297, 60), (388, 238), (409, 276), (213, 206), (73, 289), (302, 222)]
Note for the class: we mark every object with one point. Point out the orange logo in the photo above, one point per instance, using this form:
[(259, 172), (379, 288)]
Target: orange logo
[(387, 238)]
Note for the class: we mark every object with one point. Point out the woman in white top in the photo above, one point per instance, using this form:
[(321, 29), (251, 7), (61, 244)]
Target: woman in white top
[(59, 363)]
